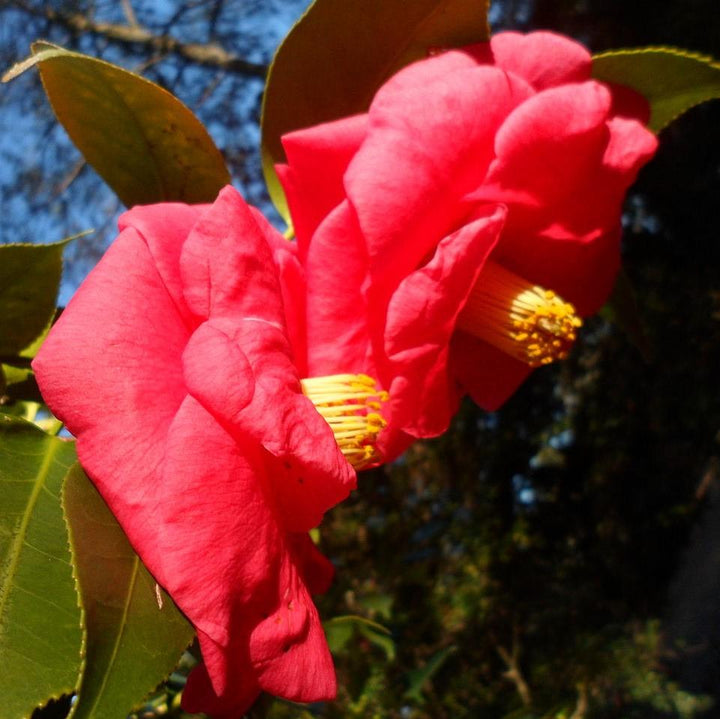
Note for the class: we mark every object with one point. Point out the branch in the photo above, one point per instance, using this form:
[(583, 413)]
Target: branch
[(583, 705), (211, 54), (513, 672)]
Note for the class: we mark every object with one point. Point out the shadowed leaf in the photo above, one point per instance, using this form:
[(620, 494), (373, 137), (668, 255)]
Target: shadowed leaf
[(341, 51), (29, 282), (134, 633), (418, 677), (40, 632), (141, 139), (340, 630)]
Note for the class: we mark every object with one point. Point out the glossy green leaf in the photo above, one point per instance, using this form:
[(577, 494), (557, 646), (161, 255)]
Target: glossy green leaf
[(340, 630), (134, 633), (671, 79), (341, 51), (141, 139), (40, 631), (29, 282)]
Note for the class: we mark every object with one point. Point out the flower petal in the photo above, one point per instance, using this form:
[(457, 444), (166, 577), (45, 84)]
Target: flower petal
[(217, 532), (487, 374), (164, 228), (544, 59), (199, 694), (421, 318), (243, 374), (421, 155), (336, 269), (288, 649), (225, 249), (317, 158), (111, 370), (217, 372), (547, 144)]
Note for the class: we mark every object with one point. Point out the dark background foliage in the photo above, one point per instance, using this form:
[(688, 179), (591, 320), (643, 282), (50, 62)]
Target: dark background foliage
[(559, 558)]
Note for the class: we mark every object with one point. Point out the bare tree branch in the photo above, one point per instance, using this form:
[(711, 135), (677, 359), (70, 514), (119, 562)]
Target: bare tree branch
[(582, 706), (130, 13), (210, 54), (513, 672)]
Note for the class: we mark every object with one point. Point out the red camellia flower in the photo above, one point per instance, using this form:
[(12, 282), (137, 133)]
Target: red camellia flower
[(173, 368), (451, 236)]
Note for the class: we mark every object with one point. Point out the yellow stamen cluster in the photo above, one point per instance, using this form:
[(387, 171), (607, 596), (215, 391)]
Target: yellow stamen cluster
[(526, 321), (350, 404)]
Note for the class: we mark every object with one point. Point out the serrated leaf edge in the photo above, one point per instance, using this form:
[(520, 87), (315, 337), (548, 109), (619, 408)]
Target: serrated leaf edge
[(78, 593), (670, 50), (3, 596), (137, 564)]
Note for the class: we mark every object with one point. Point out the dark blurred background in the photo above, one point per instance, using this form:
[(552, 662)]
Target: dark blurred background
[(557, 559)]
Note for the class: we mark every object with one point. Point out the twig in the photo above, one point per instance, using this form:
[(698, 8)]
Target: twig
[(513, 672), (211, 54), (582, 705)]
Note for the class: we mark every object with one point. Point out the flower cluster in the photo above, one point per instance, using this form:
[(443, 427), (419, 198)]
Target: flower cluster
[(225, 384)]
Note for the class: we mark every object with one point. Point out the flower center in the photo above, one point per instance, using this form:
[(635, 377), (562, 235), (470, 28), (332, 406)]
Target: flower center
[(350, 404), (526, 321)]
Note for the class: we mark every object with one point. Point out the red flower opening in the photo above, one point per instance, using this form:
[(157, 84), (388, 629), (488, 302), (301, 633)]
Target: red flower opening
[(499, 155), (172, 367)]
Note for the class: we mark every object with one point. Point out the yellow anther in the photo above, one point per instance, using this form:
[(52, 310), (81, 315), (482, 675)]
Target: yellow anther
[(526, 321), (351, 404)]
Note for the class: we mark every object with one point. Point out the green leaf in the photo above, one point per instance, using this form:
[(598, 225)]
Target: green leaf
[(40, 631), (341, 51), (340, 630), (29, 282), (17, 384), (134, 633), (418, 677), (672, 80), (141, 139)]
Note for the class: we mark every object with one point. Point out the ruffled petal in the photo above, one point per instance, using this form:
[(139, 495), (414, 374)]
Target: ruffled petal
[(288, 649), (315, 568), (336, 271), (199, 694), (630, 146), (164, 228), (544, 59), (317, 158), (217, 532), (217, 372), (421, 156), (225, 253), (111, 370), (488, 375), (244, 592), (545, 147), (421, 318)]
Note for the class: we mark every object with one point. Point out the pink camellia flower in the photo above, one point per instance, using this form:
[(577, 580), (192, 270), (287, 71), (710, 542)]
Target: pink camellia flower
[(172, 367), (452, 236)]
